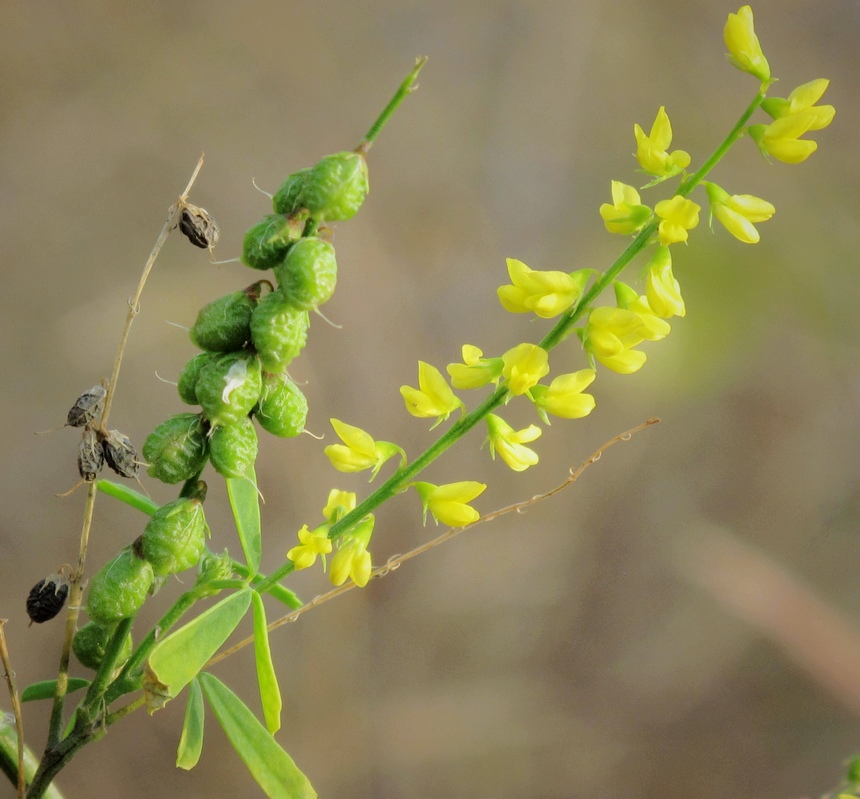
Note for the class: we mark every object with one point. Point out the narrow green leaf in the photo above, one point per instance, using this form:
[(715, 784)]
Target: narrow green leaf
[(270, 693), (47, 689), (191, 740), (180, 656), (282, 594), (127, 495), (272, 768), (246, 511)]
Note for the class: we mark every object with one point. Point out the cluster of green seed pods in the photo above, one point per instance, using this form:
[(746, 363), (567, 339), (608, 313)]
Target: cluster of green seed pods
[(173, 541), (249, 337)]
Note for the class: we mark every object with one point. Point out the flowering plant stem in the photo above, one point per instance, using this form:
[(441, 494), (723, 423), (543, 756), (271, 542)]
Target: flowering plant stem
[(562, 329)]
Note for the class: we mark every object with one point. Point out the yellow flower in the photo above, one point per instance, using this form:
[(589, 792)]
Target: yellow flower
[(544, 293), (743, 45), (611, 334), (803, 100), (433, 397), (475, 371), (626, 215), (313, 543), (563, 397), (652, 150), (738, 212), (524, 366), (661, 288), (352, 560), (781, 138), (509, 443), (677, 215), (449, 503), (359, 451), (339, 504)]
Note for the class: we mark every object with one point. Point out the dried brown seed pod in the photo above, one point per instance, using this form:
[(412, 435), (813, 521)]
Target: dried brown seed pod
[(120, 455), (47, 598), (198, 226), (89, 405), (91, 455)]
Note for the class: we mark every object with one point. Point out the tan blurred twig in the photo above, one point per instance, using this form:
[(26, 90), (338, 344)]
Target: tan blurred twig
[(768, 597)]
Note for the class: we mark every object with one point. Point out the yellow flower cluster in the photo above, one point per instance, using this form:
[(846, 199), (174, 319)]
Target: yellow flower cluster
[(611, 334)]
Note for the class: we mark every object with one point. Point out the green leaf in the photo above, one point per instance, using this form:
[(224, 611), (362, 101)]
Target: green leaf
[(127, 495), (246, 511), (9, 760), (180, 656), (270, 693), (47, 689), (191, 740), (272, 768)]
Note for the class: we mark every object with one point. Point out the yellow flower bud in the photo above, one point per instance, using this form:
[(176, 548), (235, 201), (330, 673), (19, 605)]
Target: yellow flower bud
[(744, 49)]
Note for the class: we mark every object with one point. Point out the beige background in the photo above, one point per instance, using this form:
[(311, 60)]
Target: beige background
[(571, 652)]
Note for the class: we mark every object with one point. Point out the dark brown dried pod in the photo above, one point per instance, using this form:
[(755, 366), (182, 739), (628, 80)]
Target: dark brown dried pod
[(199, 226), (90, 404), (91, 455), (120, 455), (47, 598)]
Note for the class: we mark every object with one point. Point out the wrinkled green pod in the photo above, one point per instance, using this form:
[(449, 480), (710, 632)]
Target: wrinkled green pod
[(187, 384), (266, 244), (233, 448), (282, 409), (120, 588), (229, 387), (224, 325), (308, 274), (176, 450), (174, 538), (287, 199), (90, 644), (279, 331), (335, 187)]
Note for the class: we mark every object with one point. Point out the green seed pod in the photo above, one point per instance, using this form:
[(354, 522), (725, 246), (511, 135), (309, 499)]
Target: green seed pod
[(279, 331), (336, 187), (266, 244), (229, 387), (233, 448), (282, 409), (287, 199), (120, 588), (224, 325), (187, 384), (176, 450), (90, 644), (174, 538), (308, 274)]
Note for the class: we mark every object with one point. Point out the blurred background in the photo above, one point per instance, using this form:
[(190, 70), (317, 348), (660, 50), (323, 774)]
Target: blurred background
[(684, 620)]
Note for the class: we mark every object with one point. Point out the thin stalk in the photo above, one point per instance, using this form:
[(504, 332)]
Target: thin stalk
[(76, 587), (16, 707), (406, 88)]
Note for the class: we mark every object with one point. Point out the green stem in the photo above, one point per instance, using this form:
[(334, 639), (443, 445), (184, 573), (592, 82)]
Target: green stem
[(406, 88), (737, 131), (128, 495), (93, 699)]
